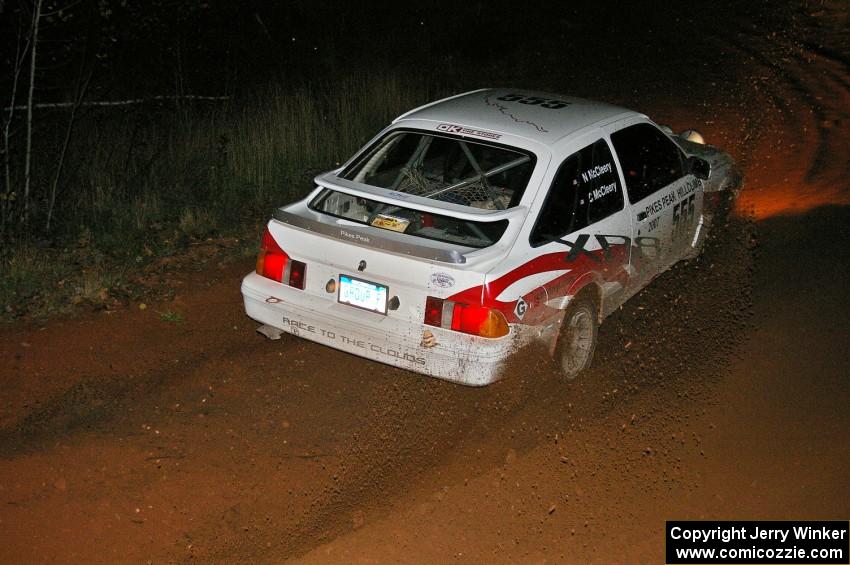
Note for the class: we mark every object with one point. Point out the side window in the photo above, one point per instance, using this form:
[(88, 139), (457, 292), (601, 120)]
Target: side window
[(586, 189), (650, 159)]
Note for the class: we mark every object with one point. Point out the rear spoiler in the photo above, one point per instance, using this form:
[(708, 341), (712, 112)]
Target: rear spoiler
[(369, 239)]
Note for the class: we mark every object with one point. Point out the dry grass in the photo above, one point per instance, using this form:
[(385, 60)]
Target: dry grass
[(145, 183)]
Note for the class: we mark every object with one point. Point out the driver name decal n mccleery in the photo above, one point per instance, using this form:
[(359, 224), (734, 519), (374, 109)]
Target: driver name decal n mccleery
[(596, 171)]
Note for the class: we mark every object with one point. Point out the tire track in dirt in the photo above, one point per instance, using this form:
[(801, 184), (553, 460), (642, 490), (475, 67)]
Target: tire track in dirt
[(413, 424), (97, 404)]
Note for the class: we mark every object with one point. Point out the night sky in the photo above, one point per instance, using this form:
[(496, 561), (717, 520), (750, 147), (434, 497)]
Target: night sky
[(223, 47)]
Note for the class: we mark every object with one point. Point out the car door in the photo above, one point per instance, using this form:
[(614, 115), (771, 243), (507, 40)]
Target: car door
[(583, 226), (664, 200)]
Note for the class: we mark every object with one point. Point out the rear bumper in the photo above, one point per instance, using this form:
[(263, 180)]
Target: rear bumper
[(457, 357)]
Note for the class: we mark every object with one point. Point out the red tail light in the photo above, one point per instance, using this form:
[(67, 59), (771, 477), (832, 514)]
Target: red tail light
[(274, 263), (469, 319), (271, 260)]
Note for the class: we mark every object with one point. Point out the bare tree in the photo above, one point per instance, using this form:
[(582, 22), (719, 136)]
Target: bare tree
[(21, 48), (36, 19), (79, 95)]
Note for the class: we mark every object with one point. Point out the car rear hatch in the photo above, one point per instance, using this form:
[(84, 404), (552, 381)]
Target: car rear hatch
[(376, 271)]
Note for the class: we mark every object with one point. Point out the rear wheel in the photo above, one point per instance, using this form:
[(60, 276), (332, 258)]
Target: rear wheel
[(577, 338)]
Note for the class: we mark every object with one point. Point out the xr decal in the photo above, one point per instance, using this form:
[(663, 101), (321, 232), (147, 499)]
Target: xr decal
[(606, 243)]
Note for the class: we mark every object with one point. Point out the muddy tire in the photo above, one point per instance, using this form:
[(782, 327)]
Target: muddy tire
[(577, 338)]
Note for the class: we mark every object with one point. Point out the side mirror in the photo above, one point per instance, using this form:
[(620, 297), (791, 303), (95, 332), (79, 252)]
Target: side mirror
[(700, 168)]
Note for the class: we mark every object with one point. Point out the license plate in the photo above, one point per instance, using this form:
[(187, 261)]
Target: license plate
[(362, 294)]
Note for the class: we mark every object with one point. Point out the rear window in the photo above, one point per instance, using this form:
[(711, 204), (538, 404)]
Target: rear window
[(408, 221), (457, 170)]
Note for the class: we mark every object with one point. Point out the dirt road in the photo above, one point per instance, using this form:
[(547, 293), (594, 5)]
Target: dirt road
[(720, 392)]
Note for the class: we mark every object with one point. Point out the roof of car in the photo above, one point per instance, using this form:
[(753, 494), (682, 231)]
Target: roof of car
[(518, 112)]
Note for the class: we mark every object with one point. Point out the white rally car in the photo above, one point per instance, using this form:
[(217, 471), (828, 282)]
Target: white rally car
[(476, 224)]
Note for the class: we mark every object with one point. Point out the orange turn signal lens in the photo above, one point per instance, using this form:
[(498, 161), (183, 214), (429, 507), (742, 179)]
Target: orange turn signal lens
[(494, 325)]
